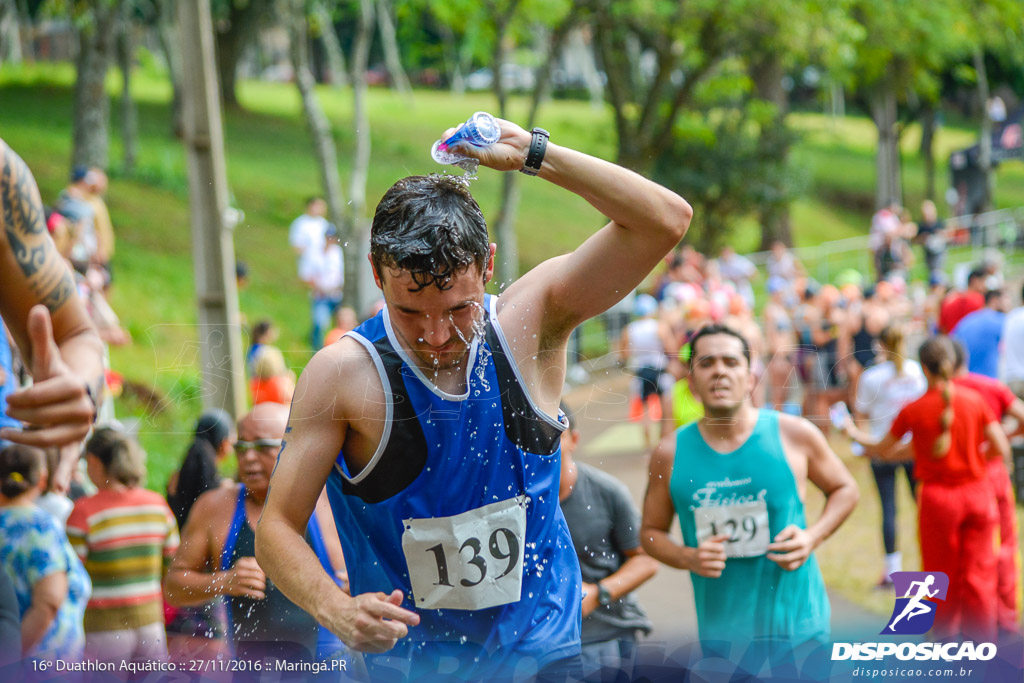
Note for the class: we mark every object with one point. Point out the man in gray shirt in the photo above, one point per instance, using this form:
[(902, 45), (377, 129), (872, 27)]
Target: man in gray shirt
[(605, 528)]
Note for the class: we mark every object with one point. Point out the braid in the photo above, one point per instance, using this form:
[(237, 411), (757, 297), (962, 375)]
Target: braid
[(938, 357), (945, 440)]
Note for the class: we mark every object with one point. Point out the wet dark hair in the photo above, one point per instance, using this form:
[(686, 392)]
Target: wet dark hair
[(709, 330), (20, 469), (431, 227)]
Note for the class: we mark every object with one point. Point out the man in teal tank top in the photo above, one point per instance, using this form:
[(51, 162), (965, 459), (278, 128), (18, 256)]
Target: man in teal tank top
[(737, 479)]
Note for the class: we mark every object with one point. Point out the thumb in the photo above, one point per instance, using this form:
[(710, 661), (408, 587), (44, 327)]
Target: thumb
[(45, 354), (788, 532)]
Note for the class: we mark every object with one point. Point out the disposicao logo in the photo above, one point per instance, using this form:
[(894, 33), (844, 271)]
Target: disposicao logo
[(914, 614)]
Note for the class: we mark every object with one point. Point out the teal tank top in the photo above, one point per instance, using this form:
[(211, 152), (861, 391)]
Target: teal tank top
[(730, 493)]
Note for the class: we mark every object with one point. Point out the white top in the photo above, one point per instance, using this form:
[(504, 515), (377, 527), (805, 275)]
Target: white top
[(324, 268), (645, 347), (784, 267), (1013, 345), (881, 394), (737, 268), (307, 234)]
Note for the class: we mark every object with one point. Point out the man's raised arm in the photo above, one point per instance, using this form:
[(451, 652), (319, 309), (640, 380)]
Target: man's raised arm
[(48, 321), (371, 622), (647, 221)]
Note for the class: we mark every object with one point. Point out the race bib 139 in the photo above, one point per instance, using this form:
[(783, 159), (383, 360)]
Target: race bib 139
[(469, 561)]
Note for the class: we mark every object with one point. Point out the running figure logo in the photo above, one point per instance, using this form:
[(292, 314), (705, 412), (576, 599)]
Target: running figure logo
[(914, 612)]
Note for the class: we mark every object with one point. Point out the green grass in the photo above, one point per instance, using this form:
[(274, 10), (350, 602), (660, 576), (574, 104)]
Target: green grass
[(271, 169)]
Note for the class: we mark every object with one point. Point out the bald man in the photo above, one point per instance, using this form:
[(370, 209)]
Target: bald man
[(216, 556)]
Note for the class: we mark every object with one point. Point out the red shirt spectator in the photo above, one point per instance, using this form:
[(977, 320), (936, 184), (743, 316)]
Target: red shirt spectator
[(963, 462), (956, 307), (997, 395)]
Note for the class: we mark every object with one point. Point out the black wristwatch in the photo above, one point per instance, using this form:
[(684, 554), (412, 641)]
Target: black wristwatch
[(535, 156), (604, 596)]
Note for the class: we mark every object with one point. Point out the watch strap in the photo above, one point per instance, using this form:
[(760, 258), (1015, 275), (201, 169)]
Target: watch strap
[(535, 155)]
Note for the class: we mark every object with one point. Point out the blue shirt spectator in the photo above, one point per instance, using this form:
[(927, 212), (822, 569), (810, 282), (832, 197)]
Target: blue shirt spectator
[(981, 332)]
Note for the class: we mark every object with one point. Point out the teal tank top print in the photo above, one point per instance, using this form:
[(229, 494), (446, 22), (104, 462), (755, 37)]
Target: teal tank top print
[(751, 495)]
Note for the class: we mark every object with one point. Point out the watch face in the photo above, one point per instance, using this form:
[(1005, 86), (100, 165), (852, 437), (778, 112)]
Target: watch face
[(604, 597)]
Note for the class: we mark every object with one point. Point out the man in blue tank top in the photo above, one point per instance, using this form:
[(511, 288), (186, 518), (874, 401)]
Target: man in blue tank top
[(435, 428), (737, 479)]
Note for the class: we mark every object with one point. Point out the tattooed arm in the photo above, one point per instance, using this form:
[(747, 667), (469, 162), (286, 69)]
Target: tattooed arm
[(48, 321)]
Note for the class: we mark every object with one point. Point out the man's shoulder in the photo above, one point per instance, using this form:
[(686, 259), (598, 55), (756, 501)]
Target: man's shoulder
[(797, 429), (341, 372), (213, 503)]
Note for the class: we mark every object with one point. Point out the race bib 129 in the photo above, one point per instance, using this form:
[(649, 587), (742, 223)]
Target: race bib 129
[(469, 561), (745, 523)]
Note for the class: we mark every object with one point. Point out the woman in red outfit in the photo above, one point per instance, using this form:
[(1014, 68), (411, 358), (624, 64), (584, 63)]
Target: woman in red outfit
[(957, 517)]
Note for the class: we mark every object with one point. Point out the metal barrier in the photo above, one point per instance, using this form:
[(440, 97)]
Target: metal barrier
[(594, 343), (1002, 230)]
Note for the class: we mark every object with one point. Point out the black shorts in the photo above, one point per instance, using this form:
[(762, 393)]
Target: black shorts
[(648, 382)]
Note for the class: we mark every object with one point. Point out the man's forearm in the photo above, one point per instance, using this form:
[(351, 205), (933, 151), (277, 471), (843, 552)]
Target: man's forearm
[(663, 549), (291, 564), (838, 506), (187, 587), (625, 197), (83, 353), (633, 573)]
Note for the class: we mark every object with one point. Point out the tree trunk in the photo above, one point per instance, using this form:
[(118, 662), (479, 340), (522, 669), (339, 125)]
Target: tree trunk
[(319, 128), (985, 158), (392, 56), (583, 53), (240, 27), (91, 104), (168, 35), (929, 123), (453, 64), (129, 115), (884, 112), (332, 46), (28, 49), (229, 49), (10, 34), (507, 265), (774, 143), (355, 229)]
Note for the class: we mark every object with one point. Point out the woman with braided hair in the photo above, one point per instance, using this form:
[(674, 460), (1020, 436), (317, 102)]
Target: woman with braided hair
[(883, 390), (956, 505)]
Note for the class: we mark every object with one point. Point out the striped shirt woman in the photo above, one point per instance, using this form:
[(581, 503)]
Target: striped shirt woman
[(126, 537)]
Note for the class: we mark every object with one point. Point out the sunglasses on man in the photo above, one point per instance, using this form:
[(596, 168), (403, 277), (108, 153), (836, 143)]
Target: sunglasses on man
[(265, 445)]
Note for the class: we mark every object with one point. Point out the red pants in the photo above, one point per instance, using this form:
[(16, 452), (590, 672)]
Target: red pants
[(957, 526), (1007, 554)]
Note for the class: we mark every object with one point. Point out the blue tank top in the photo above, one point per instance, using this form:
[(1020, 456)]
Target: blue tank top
[(443, 455), (275, 617), (754, 597)]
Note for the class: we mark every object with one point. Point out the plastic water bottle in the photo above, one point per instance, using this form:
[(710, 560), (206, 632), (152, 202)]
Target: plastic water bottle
[(481, 130)]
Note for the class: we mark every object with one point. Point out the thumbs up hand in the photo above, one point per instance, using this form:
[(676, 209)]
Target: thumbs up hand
[(57, 407)]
